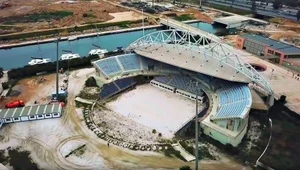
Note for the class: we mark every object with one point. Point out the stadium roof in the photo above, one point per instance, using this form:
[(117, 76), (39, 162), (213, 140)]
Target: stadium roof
[(276, 45), (30, 111)]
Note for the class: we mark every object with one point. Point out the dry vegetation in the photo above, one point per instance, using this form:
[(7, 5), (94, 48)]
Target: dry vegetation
[(22, 14)]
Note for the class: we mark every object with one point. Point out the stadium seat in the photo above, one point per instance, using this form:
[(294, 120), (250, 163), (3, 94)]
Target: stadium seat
[(233, 99), (125, 83), (130, 62), (108, 90), (109, 66)]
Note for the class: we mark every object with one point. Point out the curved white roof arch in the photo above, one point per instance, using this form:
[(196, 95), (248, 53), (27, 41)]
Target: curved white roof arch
[(198, 53)]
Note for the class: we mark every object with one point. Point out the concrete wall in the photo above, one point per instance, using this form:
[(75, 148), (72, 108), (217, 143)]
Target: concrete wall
[(239, 126), (224, 139), (240, 42), (24, 118), (48, 115), (56, 115), (32, 117), (281, 54), (222, 123)]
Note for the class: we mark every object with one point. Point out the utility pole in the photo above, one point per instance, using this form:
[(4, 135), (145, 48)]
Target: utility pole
[(57, 42), (143, 22), (197, 129)]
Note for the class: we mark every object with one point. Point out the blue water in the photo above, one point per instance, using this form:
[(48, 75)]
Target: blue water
[(205, 27), (20, 56)]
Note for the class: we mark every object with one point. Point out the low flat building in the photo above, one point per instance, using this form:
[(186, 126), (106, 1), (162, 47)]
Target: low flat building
[(30, 113), (267, 48), (236, 21)]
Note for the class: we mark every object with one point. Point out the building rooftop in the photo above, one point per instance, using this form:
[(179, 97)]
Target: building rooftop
[(30, 111), (237, 19), (276, 45)]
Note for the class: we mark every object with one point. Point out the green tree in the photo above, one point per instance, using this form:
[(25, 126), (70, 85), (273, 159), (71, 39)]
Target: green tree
[(1, 72), (277, 4), (185, 168)]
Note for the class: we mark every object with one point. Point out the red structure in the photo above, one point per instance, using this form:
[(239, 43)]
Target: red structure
[(18, 103)]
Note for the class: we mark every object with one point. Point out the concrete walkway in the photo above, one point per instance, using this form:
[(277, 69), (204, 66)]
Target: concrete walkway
[(186, 155)]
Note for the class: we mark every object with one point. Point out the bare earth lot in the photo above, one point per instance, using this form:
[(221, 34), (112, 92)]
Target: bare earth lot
[(32, 15)]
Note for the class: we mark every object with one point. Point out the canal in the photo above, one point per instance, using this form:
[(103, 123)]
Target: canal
[(20, 56)]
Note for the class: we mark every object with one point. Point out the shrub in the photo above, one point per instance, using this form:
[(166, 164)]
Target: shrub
[(8, 84), (91, 82), (1, 72), (5, 85), (49, 67), (184, 17), (190, 149), (84, 15), (185, 168), (159, 135), (153, 131)]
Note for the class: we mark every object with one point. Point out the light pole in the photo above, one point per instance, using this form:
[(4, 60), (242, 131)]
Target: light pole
[(143, 22), (257, 161), (57, 42), (197, 130), (196, 85), (200, 4)]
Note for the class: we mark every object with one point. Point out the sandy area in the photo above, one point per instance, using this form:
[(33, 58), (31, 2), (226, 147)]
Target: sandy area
[(156, 108), (125, 16)]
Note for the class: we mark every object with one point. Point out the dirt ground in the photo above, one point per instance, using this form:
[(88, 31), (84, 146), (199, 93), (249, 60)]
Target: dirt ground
[(26, 90), (99, 11), (125, 16), (200, 15)]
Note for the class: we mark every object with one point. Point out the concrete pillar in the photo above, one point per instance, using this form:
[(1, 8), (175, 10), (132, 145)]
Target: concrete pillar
[(270, 100)]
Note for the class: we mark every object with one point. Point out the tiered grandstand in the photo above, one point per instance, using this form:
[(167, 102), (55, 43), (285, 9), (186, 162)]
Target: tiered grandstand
[(131, 65), (116, 87), (174, 60)]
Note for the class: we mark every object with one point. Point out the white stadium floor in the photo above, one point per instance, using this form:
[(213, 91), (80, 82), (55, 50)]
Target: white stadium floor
[(155, 108)]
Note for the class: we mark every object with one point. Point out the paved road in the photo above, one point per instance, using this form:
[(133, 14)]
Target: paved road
[(267, 12)]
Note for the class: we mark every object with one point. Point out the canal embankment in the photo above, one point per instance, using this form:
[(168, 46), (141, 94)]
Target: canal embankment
[(80, 36)]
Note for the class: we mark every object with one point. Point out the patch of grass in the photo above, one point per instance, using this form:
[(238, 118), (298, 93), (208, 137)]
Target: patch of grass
[(88, 26), (20, 160), (124, 25), (36, 17), (171, 151), (184, 17), (3, 158)]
